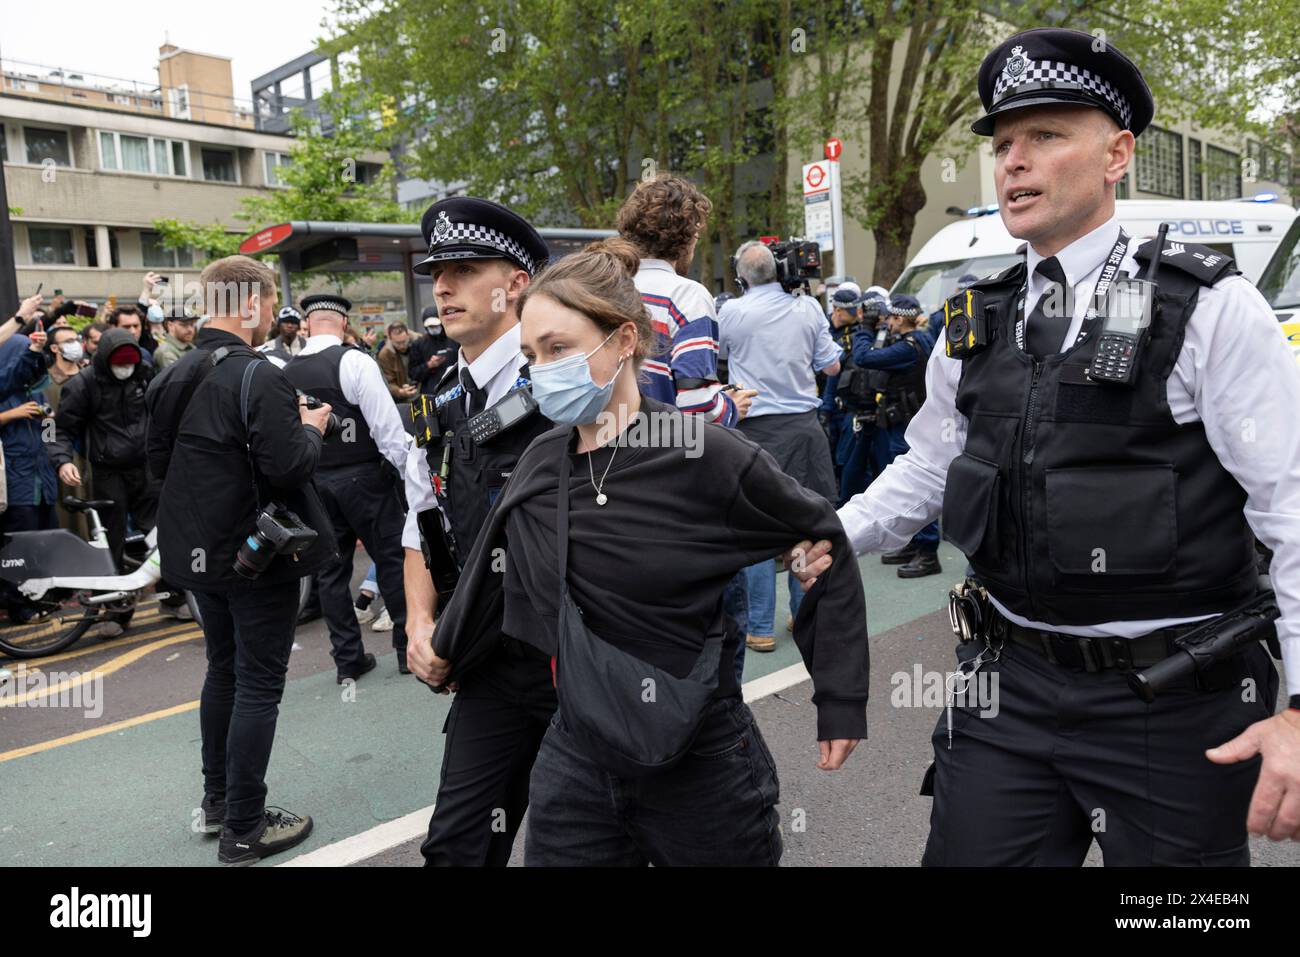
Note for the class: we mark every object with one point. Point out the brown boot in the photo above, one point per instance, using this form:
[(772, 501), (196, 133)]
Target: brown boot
[(760, 642)]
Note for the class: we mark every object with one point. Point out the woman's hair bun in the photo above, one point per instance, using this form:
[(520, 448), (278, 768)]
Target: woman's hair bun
[(620, 250)]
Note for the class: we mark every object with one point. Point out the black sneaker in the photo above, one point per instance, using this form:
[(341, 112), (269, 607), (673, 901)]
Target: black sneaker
[(212, 815), (279, 831), (925, 563), (900, 556), (367, 664)]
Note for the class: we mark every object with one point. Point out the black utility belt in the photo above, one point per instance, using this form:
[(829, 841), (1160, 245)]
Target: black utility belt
[(1080, 653)]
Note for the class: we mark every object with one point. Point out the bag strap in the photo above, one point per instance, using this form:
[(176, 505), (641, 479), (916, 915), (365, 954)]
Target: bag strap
[(562, 514)]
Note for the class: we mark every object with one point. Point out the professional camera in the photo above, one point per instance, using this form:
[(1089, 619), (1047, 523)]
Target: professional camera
[(312, 402), (798, 262), (277, 531)]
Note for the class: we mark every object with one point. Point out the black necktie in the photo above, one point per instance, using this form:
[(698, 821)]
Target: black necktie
[(477, 396), (1050, 320)]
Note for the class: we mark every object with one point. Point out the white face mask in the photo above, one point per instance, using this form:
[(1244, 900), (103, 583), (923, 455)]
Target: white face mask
[(72, 351), (123, 372)]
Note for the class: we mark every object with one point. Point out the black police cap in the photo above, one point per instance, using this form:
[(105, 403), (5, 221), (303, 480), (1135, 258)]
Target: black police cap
[(463, 227), (326, 301), (1051, 66)]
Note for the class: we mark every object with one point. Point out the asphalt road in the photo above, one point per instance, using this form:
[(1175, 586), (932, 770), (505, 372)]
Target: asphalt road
[(115, 781)]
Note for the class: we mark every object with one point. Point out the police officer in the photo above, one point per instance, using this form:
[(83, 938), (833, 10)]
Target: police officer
[(481, 258), (361, 464), (896, 357), (848, 408), (1103, 516)]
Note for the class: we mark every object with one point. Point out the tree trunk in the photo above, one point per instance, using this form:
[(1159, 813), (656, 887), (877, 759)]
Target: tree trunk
[(894, 234)]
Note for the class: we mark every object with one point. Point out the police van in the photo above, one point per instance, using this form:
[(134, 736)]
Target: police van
[(1248, 231), (1280, 285)]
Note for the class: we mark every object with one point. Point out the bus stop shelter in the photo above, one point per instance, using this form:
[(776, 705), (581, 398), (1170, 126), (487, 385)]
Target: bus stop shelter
[(309, 246)]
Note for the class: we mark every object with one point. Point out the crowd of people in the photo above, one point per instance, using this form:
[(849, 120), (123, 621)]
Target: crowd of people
[(588, 588)]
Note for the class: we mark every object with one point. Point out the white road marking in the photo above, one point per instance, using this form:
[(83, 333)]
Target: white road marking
[(390, 834)]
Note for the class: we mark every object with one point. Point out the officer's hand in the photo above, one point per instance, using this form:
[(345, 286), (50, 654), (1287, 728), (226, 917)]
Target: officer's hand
[(1275, 808), (69, 475), (835, 752), (435, 361), (807, 561), (743, 398), (317, 418), (407, 390)]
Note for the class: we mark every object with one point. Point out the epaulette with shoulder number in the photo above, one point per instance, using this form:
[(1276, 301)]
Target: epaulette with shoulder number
[(1011, 273), (1207, 266)]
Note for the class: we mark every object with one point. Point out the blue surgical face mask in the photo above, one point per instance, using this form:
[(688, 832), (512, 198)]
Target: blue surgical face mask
[(565, 391), (156, 314)]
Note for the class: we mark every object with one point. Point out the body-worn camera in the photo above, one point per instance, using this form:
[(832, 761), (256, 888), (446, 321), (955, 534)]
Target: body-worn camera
[(312, 402), (965, 324), (277, 531)]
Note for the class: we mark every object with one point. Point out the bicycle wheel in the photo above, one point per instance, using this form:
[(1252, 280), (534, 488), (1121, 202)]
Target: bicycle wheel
[(56, 626)]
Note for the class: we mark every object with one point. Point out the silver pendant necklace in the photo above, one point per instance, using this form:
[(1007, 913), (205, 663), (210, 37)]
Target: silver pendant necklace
[(601, 497)]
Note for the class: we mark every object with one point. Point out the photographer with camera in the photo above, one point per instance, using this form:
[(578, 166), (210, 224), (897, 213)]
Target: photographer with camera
[(776, 343), (238, 521), (361, 464), (896, 362)]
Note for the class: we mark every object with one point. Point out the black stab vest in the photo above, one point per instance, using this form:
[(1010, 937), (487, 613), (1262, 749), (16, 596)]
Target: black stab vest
[(1079, 503), (318, 375), (476, 473)]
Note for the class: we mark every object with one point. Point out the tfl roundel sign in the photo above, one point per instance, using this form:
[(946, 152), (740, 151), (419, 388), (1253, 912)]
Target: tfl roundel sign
[(266, 238), (833, 148)]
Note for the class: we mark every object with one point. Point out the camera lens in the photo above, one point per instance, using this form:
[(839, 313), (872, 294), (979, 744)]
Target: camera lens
[(958, 329), (254, 555)]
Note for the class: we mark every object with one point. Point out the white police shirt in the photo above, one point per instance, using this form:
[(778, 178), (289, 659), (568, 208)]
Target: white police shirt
[(363, 385), (496, 369), (1235, 373)]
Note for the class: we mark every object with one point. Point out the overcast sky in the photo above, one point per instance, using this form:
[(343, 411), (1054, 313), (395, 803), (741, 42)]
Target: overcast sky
[(120, 38)]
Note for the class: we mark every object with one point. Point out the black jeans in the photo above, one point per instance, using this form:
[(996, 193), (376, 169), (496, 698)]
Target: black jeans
[(1046, 760), (249, 633), (717, 806)]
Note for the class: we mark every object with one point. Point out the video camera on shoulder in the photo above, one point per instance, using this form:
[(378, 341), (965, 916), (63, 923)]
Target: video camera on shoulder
[(277, 531), (798, 261)]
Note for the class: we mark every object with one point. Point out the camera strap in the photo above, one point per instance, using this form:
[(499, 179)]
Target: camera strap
[(245, 386)]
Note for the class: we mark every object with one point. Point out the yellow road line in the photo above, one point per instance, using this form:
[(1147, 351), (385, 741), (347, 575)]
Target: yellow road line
[(106, 644), (96, 732), (116, 664)]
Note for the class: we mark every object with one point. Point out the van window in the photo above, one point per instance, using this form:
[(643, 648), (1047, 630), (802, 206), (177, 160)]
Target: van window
[(1280, 283), (932, 283)]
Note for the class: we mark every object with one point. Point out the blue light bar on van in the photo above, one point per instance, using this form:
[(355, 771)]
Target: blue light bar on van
[(982, 210), (1257, 198)]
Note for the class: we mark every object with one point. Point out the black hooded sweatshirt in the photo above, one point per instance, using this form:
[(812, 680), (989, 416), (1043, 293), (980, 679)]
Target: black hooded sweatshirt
[(107, 412), (648, 568)]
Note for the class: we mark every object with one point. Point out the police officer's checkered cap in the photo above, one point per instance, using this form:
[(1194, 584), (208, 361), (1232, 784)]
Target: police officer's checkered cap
[(1054, 75), (465, 227), (1050, 65)]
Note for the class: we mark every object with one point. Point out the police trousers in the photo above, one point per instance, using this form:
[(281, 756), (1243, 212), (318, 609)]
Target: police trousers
[(1045, 760), (492, 734), (362, 504)]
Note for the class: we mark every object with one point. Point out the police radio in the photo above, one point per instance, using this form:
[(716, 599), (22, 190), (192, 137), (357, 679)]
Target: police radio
[(1130, 306), (965, 324), (511, 410)]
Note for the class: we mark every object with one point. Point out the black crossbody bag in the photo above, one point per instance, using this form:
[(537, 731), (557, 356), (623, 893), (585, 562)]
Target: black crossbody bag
[(630, 717)]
